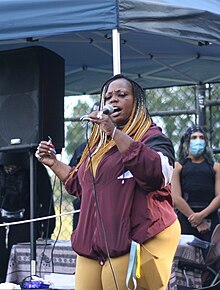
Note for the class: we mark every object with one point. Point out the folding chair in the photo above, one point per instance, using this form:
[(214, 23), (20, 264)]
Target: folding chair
[(210, 269)]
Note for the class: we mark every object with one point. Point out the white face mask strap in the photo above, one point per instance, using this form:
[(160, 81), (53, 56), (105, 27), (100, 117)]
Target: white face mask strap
[(132, 266)]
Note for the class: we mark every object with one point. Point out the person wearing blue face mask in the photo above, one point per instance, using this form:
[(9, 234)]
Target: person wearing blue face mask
[(196, 185), (197, 146)]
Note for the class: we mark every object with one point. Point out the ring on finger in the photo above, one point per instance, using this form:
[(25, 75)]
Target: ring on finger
[(99, 115)]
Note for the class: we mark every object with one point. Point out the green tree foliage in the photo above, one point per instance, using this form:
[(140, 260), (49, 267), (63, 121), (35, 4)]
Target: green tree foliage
[(75, 129), (171, 111)]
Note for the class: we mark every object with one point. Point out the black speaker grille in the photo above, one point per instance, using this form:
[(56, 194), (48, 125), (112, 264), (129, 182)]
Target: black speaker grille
[(18, 118)]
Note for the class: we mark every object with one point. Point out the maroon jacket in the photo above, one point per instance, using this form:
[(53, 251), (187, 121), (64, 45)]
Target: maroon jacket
[(128, 198)]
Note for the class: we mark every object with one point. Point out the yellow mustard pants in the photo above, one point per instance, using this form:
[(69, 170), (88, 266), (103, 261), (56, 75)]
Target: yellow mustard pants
[(156, 262)]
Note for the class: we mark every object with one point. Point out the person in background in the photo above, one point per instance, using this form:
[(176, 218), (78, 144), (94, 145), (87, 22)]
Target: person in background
[(15, 203), (123, 180), (196, 185), (73, 162)]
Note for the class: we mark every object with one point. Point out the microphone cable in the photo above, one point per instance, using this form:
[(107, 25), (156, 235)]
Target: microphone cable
[(47, 228), (57, 236), (60, 226), (98, 210)]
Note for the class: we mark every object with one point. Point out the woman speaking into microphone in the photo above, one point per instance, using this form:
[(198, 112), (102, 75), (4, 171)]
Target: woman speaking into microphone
[(123, 180)]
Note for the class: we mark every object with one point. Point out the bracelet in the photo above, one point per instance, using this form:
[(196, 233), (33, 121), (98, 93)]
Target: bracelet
[(113, 133)]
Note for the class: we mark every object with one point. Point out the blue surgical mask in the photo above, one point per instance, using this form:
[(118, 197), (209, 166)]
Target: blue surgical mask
[(196, 147)]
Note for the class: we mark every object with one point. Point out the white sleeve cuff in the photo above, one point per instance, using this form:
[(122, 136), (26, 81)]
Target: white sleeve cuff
[(167, 169)]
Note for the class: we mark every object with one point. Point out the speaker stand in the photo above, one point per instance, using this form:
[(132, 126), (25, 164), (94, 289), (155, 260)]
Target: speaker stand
[(32, 212)]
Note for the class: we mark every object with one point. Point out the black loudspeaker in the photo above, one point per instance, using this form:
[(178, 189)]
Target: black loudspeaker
[(31, 98)]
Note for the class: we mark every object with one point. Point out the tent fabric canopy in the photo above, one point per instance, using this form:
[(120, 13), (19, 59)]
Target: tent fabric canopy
[(196, 20), (42, 18), (163, 43)]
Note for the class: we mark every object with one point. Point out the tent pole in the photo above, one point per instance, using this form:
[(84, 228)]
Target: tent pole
[(200, 96), (116, 52), (32, 213)]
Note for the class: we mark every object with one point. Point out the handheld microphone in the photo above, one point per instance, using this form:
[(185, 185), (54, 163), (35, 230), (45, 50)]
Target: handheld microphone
[(107, 110)]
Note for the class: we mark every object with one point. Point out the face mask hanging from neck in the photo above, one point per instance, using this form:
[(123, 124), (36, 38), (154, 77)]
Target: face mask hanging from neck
[(196, 147)]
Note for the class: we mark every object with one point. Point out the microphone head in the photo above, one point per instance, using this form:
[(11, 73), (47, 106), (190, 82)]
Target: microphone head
[(108, 109)]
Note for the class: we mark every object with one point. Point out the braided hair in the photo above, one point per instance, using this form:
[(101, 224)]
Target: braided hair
[(182, 151), (138, 123)]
